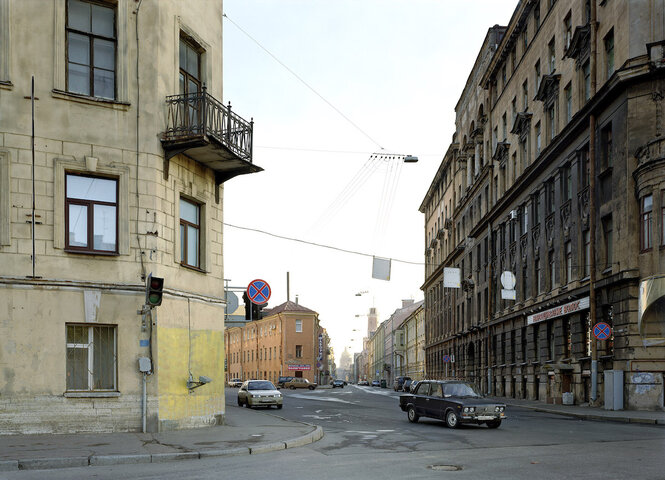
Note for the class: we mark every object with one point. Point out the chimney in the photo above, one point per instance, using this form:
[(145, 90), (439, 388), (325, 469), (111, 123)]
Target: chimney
[(406, 303), (296, 299)]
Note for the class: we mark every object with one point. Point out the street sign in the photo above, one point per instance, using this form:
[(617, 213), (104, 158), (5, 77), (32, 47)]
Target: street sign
[(602, 331), (446, 358), (231, 302), (258, 291), (508, 280)]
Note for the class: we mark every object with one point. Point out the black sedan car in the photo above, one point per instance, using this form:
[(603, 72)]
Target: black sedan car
[(338, 383), (454, 402)]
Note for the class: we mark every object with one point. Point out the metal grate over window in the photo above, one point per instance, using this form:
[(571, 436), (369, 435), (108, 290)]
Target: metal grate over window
[(91, 358)]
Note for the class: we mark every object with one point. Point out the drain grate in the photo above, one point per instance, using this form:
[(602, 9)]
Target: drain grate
[(445, 468)]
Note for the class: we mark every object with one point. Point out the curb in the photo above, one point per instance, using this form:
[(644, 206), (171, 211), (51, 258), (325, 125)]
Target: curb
[(592, 416), (105, 460)]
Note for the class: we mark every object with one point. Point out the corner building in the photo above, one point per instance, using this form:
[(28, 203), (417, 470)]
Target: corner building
[(132, 147), (556, 174)]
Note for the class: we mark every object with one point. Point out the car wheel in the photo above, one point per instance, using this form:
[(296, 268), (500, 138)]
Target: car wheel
[(292, 387), (451, 419), (239, 402), (412, 415), (494, 424), (279, 407), (311, 388)]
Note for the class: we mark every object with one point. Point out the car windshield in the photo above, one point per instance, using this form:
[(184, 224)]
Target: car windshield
[(260, 386), (461, 390)]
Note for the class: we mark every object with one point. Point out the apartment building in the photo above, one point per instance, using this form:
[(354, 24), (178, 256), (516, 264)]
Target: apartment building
[(122, 178), (287, 341), (555, 174)]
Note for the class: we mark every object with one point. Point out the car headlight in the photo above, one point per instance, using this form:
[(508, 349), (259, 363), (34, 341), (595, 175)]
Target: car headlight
[(469, 409), (499, 409)]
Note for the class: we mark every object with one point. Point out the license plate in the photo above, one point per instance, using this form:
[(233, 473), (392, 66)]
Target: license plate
[(485, 417)]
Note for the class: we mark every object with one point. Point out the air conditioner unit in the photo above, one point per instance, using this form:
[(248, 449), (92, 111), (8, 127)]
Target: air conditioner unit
[(513, 214)]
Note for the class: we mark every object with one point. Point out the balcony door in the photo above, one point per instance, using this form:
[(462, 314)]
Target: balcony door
[(190, 86)]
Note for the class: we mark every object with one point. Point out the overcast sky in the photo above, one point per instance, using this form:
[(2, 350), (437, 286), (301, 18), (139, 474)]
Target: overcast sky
[(395, 70)]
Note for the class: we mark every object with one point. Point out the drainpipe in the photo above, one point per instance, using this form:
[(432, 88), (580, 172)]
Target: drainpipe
[(592, 204)]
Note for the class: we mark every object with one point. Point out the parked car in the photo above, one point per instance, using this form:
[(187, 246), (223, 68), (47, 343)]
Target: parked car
[(338, 383), (376, 383), (282, 380), (406, 385), (413, 386), (398, 384), (255, 393), (235, 382), (363, 383), (454, 402), (299, 383)]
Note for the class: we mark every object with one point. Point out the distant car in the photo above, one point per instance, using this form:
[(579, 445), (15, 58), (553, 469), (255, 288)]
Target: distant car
[(282, 380), (454, 402), (363, 383), (259, 393), (406, 386), (235, 382), (398, 384), (376, 383), (338, 383), (299, 383)]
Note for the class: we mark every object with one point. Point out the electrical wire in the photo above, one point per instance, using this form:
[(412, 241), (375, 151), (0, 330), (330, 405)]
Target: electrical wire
[(303, 82), (314, 243)]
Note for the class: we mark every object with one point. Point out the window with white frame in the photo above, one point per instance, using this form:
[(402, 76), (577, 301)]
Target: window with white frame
[(298, 326), (91, 358)]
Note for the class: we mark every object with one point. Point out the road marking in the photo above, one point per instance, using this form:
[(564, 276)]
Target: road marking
[(322, 399)]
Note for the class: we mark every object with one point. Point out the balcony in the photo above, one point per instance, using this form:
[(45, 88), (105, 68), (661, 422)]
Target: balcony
[(203, 129)]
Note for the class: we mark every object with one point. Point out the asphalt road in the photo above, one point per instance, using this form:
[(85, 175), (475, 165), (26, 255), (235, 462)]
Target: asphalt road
[(367, 436)]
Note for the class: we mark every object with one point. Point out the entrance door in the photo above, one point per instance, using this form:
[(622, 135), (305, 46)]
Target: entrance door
[(298, 374)]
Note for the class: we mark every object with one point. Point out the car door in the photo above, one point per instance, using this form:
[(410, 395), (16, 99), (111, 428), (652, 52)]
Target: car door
[(436, 405), (242, 392), (421, 398)]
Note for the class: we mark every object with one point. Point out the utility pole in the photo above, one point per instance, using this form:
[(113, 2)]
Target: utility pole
[(592, 205)]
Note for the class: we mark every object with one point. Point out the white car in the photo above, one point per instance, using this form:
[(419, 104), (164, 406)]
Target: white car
[(259, 393), (235, 382)]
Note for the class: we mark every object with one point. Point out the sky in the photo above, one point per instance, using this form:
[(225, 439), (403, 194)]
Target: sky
[(329, 83)]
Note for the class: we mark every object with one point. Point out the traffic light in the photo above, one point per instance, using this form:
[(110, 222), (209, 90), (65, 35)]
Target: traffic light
[(256, 310), (153, 291)]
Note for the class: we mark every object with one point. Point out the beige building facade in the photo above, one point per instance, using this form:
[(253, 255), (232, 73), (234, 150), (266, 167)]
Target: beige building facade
[(132, 146), (555, 174), (287, 341)]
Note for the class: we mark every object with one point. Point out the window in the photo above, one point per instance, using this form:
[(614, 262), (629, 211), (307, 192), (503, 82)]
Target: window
[(536, 15), (586, 253), (91, 49), (646, 206), (298, 351), (298, 326), (606, 147), (536, 208), (525, 283), (503, 76), (662, 217), (91, 358), (552, 55), (525, 95), (568, 95), (567, 30), (551, 122), (524, 153), (525, 39), (91, 210), (586, 71), (513, 59), (607, 239), (190, 67), (552, 269), (569, 262), (584, 168), (609, 53), (549, 197), (536, 71), (190, 233), (525, 219), (504, 125), (539, 280), (514, 109), (566, 183)]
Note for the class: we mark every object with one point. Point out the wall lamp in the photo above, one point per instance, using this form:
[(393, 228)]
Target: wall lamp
[(191, 384)]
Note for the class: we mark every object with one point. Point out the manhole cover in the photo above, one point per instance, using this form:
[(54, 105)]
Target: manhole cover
[(446, 468)]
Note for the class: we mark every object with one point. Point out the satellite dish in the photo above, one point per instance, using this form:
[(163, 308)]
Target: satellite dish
[(231, 302)]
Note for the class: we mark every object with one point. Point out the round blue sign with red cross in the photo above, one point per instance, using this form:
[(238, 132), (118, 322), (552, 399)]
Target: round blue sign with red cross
[(446, 358), (602, 331), (258, 291)]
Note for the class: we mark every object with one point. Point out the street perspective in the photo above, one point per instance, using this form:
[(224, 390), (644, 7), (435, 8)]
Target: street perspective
[(354, 239)]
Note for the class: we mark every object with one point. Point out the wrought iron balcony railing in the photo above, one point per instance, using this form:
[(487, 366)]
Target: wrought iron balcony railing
[(196, 116)]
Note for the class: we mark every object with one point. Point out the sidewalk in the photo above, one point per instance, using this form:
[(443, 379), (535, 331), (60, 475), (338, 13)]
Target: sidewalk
[(246, 432), (589, 413)]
